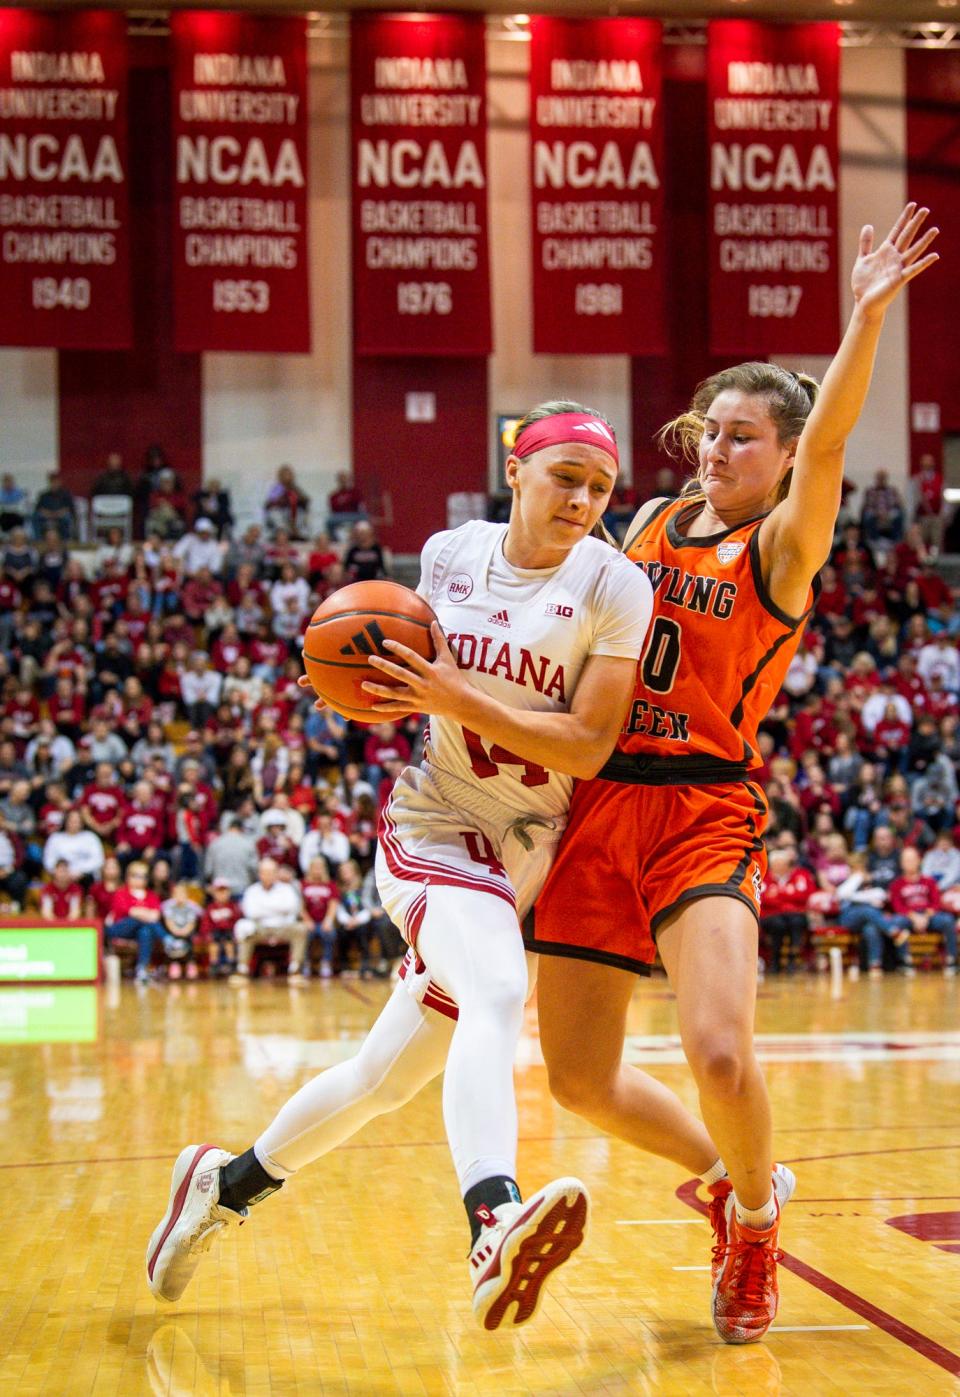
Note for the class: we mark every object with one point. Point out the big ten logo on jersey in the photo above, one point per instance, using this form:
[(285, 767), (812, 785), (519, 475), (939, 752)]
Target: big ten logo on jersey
[(554, 608), (706, 595)]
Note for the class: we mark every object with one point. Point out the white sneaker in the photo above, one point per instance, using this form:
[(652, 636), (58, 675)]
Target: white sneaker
[(192, 1220), (520, 1244)]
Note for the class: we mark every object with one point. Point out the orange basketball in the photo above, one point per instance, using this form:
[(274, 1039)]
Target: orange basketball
[(351, 625)]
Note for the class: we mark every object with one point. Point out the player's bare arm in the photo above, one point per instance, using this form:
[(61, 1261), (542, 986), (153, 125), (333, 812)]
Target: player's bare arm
[(795, 540), (577, 742)]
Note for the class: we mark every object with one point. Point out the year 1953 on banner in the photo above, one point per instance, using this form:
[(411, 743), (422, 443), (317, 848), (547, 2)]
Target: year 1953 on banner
[(240, 183)]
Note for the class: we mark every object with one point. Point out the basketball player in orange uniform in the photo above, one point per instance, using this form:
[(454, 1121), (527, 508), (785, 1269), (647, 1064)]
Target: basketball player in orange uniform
[(732, 563)]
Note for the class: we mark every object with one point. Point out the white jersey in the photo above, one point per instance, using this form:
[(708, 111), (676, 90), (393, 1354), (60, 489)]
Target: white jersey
[(523, 636)]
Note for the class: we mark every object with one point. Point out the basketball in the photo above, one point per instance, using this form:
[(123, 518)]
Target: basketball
[(351, 625)]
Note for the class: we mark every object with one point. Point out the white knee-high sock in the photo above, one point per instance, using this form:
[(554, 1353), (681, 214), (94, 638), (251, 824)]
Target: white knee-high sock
[(471, 944), (406, 1048)]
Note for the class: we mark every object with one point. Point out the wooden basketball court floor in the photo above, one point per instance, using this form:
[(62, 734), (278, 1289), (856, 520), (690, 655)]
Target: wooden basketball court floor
[(353, 1278)]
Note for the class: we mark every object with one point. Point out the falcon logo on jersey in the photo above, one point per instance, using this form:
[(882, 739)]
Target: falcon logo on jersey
[(757, 883), (460, 586), (369, 641), (726, 552), (555, 609), (499, 618)]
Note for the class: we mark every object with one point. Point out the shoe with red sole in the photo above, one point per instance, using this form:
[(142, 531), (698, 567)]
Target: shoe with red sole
[(520, 1246)]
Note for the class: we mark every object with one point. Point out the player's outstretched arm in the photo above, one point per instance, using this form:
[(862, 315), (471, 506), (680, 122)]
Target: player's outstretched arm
[(796, 539), (577, 742)]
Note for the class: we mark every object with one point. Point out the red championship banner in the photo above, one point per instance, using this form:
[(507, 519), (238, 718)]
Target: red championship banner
[(421, 276), (773, 93), (64, 226), (240, 183), (596, 145)]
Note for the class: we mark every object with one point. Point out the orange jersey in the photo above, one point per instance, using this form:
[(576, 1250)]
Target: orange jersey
[(716, 655)]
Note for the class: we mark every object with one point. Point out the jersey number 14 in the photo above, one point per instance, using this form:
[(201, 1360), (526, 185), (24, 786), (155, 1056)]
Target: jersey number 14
[(485, 764)]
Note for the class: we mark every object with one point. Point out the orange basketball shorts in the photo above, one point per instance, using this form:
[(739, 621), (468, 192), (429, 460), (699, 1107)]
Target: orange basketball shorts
[(632, 855)]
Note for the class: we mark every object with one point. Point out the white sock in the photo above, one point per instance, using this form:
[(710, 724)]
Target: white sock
[(759, 1219), (715, 1173)]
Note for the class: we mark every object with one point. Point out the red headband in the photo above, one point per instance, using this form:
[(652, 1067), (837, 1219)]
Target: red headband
[(563, 428)]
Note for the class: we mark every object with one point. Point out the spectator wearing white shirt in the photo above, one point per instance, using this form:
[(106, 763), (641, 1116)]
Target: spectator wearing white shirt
[(326, 840), (79, 847), (942, 862), (272, 913), (200, 688), (199, 549), (63, 754), (876, 706), (290, 584), (940, 656)]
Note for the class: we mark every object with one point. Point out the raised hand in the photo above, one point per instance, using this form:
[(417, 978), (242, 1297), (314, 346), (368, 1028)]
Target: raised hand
[(879, 275)]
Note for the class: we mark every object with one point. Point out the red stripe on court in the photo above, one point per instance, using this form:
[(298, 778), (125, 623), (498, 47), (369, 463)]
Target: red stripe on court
[(920, 1343)]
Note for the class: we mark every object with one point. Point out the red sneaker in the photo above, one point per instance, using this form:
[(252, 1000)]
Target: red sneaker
[(719, 1193), (745, 1293)]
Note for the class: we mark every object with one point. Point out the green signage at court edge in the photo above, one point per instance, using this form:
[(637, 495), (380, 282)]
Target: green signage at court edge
[(29, 954)]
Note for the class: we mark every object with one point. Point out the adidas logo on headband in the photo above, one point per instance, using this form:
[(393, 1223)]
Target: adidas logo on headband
[(600, 429)]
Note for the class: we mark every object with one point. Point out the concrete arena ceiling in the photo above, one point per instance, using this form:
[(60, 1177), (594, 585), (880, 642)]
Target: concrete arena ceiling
[(881, 12)]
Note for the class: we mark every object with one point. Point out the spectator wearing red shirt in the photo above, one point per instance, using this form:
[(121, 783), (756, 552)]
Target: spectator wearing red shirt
[(784, 897), (891, 740), (140, 834), (276, 843), (833, 598), (198, 594), (61, 899), (322, 554), (227, 648), (219, 918), (67, 707), (103, 802), (267, 654), (915, 903), (135, 912), (21, 716), (320, 902), (928, 511), (939, 701), (383, 745), (136, 616), (99, 902)]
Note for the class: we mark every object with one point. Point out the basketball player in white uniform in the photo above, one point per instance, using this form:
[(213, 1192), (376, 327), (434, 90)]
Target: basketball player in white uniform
[(544, 626)]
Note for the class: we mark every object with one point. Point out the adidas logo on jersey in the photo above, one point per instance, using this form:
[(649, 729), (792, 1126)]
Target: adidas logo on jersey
[(499, 618), (368, 641)]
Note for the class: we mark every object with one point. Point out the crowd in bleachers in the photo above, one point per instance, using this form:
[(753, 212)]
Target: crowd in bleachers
[(161, 769), (159, 766)]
